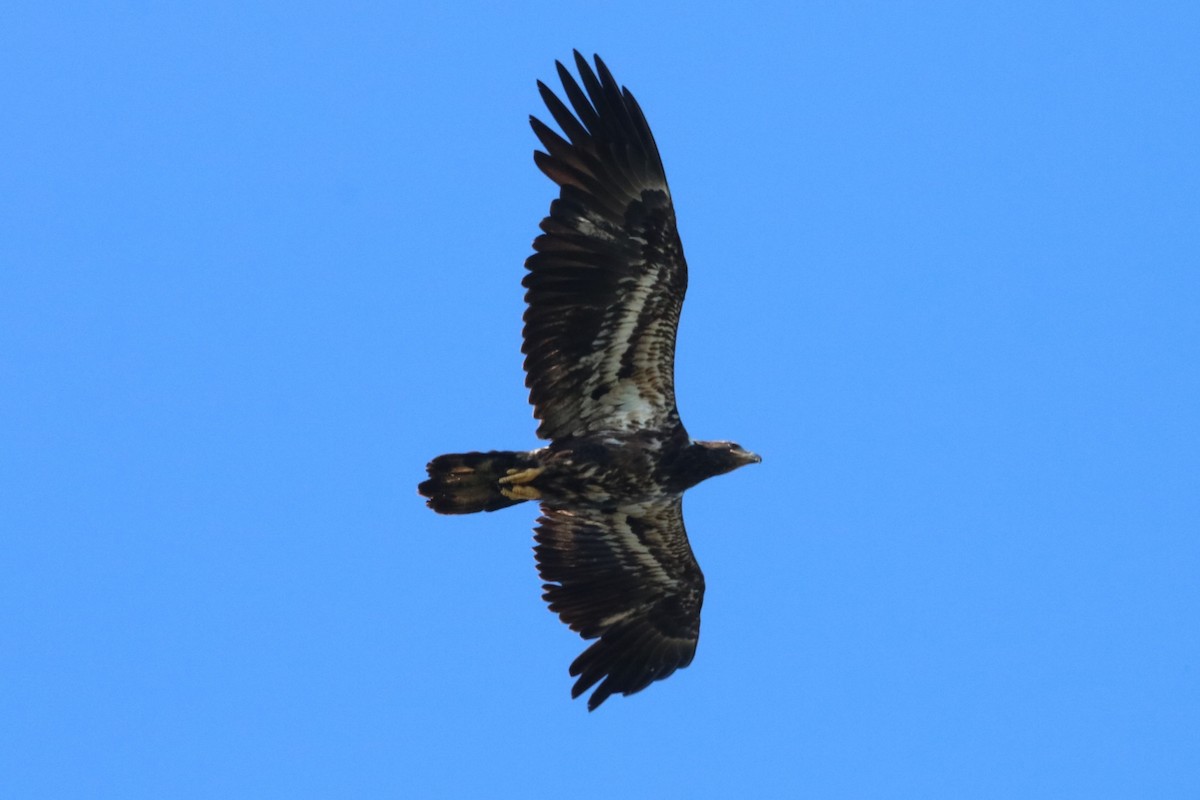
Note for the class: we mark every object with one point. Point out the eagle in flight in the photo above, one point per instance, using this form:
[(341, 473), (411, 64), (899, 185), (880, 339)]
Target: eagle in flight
[(604, 289)]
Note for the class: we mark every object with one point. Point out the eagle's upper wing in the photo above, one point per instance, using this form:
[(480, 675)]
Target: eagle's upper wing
[(607, 280), (627, 576)]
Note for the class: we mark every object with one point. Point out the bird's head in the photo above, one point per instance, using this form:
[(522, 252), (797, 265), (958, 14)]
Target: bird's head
[(721, 457)]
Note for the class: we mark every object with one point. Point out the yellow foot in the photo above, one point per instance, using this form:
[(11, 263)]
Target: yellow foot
[(521, 476), (521, 493)]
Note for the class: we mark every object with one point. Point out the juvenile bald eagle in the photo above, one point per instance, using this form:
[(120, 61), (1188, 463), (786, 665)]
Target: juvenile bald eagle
[(604, 290)]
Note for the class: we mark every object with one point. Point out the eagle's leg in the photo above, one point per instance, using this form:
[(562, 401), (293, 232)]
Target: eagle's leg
[(518, 481)]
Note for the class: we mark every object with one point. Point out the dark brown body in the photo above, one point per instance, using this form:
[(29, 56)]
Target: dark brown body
[(599, 471)]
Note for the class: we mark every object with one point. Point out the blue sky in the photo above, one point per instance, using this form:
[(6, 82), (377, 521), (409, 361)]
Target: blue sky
[(259, 264)]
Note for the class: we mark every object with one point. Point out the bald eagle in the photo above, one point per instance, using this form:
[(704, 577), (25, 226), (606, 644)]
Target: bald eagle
[(604, 289)]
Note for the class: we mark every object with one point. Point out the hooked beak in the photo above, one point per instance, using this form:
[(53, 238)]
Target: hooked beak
[(751, 458)]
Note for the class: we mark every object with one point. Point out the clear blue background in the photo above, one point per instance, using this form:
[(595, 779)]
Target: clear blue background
[(259, 263)]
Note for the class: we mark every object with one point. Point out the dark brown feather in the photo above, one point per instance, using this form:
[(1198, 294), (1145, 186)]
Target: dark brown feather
[(626, 577), (607, 280)]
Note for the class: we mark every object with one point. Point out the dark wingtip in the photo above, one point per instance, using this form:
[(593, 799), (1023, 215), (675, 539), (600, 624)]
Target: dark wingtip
[(563, 73), (603, 72), (597, 698)]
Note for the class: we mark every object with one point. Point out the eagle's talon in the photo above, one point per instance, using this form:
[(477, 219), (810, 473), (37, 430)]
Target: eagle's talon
[(518, 477), (521, 493)]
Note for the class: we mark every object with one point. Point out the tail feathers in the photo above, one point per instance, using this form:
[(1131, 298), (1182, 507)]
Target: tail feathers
[(464, 483)]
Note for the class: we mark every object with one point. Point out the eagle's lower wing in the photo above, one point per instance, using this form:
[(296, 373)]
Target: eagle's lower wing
[(607, 280), (627, 577)]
